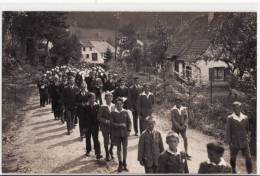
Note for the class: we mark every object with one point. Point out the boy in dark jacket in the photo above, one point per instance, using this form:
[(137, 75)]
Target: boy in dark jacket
[(150, 146), (172, 160), (215, 163), (121, 128), (104, 117)]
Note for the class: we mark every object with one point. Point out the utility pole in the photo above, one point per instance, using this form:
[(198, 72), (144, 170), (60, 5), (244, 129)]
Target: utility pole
[(116, 29)]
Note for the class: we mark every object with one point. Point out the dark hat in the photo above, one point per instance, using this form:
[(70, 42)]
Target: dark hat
[(216, 146)]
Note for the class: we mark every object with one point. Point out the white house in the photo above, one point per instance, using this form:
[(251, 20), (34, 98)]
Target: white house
[(185, 63), (94, 51)]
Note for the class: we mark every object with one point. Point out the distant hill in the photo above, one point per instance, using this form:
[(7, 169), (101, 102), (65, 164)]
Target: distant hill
[(141, 20), (95, 34)]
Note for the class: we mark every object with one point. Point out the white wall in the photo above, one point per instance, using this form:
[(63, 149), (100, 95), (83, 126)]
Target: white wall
[(100, 59), (204, 67)]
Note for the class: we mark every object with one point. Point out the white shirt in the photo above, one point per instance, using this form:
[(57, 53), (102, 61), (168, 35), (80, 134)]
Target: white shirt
[(179, 110), (111, 107), (147, 95), (238, 118), (221, 163)]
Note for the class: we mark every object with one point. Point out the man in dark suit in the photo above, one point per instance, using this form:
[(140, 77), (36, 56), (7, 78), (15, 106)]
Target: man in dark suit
[(144, 106), (149, 147), (132, 101), (92, 126), (237, 129), (81, 102), (69, 100)]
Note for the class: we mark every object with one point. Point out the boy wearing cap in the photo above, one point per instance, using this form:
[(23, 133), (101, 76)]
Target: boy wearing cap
[(104, 117), (215, 163), (144, 106), (149, 147), (121, 128), (179, 118), (237, 129), (172, 160)]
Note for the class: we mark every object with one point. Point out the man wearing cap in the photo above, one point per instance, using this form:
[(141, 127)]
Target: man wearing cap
[(144, 106), (69, 101), (215, 163), (172, 160), (109, 84), (149, 147), (179, 118), (104, 117), (132, 101), (237, 132), (121, 128)]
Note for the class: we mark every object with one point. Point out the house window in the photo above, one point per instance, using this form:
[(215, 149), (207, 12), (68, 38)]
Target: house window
[(84, 48), (87, 56), (94, 57), (188, 71), (219, 73), (90, 48)]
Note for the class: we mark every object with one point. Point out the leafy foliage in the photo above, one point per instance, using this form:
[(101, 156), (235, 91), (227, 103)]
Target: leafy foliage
[(233, 38)]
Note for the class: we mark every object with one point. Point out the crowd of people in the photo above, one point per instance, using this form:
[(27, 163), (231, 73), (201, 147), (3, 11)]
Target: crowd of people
[(76, 97)]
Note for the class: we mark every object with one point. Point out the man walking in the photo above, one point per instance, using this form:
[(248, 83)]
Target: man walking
[(144, 106), (104, 117), (69, 100), (121, 128), (132, 100), (237, 129), (92, 126)]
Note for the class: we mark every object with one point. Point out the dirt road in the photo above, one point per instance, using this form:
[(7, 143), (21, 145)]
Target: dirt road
[(41, 145)]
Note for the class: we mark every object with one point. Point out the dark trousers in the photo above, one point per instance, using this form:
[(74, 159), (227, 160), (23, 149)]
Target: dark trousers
[(135, 121), (56, 109), (151, 169), (43, 99), (142, 124), (246, 153), (81, 127), (92, 132), (70, 119)]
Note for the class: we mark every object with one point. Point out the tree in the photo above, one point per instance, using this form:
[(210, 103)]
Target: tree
[(27, 28), (108, 54), (67, 47), (233, 40)]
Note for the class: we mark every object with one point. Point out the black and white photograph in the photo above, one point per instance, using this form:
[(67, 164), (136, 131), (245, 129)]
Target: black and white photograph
[(129, 92)]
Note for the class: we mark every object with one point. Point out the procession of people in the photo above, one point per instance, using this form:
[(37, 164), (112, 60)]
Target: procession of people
[(99, 101)]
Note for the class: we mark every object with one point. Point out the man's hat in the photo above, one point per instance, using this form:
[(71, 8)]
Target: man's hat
[(216, 147)]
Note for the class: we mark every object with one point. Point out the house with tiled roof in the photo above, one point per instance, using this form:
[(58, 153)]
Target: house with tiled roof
[(186, 56), (93, 51)]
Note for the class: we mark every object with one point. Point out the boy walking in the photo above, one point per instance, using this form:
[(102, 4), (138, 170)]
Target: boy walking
[(149, 147), (121, 128)]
